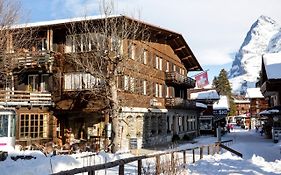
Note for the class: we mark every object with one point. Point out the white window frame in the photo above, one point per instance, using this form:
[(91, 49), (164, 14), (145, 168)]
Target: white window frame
[(167, 66), (160, 89), (156, 90), (160, 63), (156, 62), (126, 82), (144, 87), (145, 56)]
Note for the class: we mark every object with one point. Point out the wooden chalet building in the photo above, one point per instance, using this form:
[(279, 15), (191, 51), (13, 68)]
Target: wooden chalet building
[(54, 102), (257, 104), (271, 89), (242, 105)]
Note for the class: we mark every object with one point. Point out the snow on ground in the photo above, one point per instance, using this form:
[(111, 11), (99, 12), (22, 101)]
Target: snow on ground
[(260, 156)]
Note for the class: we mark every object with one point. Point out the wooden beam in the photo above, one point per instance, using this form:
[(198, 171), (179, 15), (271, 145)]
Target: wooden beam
[(186, 58), (180, 48)]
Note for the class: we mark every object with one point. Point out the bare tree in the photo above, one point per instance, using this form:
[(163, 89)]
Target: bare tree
[(13, 38), (105, 49)]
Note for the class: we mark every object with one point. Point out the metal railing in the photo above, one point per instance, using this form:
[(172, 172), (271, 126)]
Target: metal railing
[(25, 98)]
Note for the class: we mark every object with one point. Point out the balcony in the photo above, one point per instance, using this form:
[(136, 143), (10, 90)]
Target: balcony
[(25, 98), (32, 59), (174, 78), (176, 102)]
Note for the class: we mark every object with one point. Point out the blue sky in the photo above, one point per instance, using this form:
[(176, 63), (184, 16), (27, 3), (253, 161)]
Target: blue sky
[(214, 29)]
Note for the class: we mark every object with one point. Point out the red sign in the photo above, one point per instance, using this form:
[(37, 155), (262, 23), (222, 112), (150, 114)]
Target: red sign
[(202, 79)]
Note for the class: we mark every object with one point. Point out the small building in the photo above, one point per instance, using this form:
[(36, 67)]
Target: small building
[(258, 103), (242, 105), (207, 120)]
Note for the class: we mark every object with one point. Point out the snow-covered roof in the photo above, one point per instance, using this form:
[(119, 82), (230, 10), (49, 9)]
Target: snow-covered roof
[(254, 93), (201, 105), (272, 64), (62, 21), (241, 101), (222, 103), (270, 111), (205, 95)]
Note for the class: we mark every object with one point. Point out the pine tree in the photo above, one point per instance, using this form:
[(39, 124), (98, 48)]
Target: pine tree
[(222, 85)]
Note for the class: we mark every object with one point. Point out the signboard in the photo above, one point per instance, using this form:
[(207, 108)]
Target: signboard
[(220, 112)]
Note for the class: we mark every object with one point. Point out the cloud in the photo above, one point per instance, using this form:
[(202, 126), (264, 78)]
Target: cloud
[(213, 57)]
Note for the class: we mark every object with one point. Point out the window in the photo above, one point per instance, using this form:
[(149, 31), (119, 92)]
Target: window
[(160, 90), (4, 125), (160, 63), (157, 62), (167, 92), (132, 84), (144, 87), (156, 90), (132, 50), (126, 82), (33, 82), (167, 66), (145, 57), (33, 125), (44, 83), (78, 81)]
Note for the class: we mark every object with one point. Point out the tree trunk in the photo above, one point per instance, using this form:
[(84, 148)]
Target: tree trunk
[(116, 132)]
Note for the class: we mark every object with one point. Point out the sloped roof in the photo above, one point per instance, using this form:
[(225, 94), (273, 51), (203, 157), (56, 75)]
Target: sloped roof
[(254, 93), (223, 103), (161, 35), (272, 65), (205, 95)]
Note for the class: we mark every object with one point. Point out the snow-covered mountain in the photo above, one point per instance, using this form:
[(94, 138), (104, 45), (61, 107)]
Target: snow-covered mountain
[(263, 37)]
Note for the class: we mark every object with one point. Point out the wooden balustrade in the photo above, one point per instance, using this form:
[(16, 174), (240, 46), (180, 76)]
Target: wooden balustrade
[(178, 79), (179, 102), (30, 59), (25, 98)]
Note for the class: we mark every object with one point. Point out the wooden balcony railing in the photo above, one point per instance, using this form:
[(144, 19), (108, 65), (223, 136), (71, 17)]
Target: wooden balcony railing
[(31, 59), (178, 79), (25, 98), (176, 102)]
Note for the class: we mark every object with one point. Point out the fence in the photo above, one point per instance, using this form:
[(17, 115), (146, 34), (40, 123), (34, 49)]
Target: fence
[(163, 162)]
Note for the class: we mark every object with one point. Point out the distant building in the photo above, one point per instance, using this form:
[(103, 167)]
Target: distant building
[(242, 105), (257, 104)]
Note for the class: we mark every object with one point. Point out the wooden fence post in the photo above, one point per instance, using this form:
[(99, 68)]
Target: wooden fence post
[(201, 152), (157, 164), (184, 157), (139, 166), (208, 149), (172, 161), (121, 168), (193, 153)]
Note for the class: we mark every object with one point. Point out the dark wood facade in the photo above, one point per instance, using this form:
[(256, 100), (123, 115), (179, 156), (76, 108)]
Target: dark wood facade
[(271, 89), (59, 105)]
